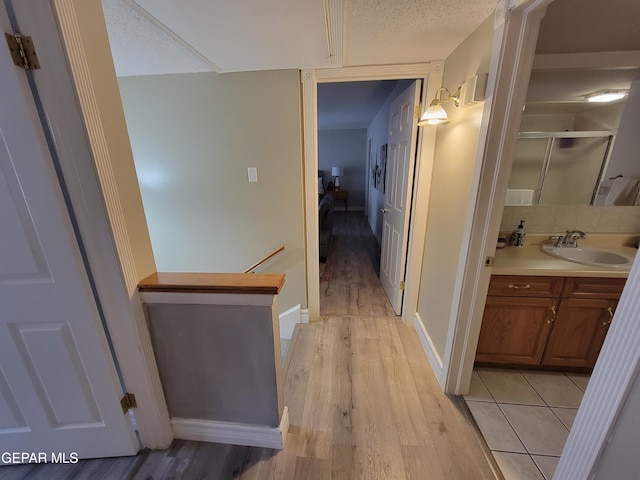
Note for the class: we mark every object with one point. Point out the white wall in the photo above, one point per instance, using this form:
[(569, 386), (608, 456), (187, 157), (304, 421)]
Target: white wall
[(451, 203), (625, 157), (347, 149), (193, 137)]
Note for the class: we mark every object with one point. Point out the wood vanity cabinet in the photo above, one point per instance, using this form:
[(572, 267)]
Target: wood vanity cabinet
[(585, 313), (546, 321)]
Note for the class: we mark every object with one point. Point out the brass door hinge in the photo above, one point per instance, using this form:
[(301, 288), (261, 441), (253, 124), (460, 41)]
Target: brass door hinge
[(402, 285), (22, 51), (127, 402), (416, 112), (488, 262)]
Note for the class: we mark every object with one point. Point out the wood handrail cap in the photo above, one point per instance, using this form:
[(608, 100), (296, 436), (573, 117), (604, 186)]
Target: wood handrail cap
[(234, 283)]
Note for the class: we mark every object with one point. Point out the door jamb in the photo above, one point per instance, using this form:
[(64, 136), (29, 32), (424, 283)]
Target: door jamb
[(431, 75), (87, 166)]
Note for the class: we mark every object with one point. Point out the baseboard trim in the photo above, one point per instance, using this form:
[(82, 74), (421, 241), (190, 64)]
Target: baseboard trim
[(232, 433), (288, 321), (428, 347), (304, 315)]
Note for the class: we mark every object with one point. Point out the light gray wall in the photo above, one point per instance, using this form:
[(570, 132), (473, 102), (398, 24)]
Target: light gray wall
[(217, 362), (193, 137), (347, 149), (625, 156), (620, 459), (451, 203)]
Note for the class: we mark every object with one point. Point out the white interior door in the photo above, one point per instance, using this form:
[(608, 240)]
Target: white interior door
[(401, 153), (59, 390)]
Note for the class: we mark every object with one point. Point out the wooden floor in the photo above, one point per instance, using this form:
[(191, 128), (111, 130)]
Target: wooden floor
[(354, 288), (363, 402)]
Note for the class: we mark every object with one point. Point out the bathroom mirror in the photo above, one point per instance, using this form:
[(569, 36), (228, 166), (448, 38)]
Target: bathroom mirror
[(572, 151)]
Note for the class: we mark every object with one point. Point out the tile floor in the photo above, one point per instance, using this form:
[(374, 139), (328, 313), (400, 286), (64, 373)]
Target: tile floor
[(525, 417)]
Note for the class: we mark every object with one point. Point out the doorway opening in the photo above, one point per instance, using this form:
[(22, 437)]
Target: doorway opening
[(353, 120)]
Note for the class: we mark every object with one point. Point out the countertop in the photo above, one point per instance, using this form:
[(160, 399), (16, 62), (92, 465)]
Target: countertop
[(530, 260)]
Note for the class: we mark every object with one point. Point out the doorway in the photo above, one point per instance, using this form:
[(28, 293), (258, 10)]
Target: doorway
[(353, 140), (431, 75)]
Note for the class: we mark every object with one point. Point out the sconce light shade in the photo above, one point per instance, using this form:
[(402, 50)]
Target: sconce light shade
[(434, 115), (337, 171)]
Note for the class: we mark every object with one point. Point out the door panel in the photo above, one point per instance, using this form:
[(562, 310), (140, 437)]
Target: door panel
[(59, 390), (399, 180)]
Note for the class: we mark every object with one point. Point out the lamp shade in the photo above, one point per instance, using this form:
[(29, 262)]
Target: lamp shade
[(337, 171), (434, 115)]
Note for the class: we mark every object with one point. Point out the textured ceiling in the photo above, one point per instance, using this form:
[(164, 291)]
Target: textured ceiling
[(241, 35), (407, 31)]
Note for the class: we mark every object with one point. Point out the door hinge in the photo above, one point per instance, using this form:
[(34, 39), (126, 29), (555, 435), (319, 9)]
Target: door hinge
[(488, 262), (402, 285), (22, 51), (127, 402), (416, 112)]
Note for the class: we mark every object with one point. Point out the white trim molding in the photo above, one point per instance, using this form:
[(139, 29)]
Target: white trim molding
[(429, 348), (511, 59), (87, 157), (233, 433), (288, 320)]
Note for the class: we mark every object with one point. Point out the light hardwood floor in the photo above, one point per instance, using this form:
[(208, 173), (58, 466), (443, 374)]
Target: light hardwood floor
[(354, 288), (363, 400)]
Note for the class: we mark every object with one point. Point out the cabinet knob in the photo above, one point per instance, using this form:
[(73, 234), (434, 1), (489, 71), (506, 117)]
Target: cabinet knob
[(553, 314), (524, 287)]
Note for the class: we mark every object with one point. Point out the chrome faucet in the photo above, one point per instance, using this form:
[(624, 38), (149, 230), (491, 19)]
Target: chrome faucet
[(568, 240)]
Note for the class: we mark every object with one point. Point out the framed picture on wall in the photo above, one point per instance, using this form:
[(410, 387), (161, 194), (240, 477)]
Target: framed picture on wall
[(381, 168)]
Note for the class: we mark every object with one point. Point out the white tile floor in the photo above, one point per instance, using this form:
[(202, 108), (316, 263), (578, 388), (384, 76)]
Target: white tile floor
[(525, 417)]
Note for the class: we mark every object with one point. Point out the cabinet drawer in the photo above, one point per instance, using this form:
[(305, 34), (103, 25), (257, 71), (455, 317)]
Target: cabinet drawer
[(606, 288), (525, 286)]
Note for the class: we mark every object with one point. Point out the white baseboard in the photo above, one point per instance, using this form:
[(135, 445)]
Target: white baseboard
[(429, 349), (304, 315), (232, 433), (288, 321)]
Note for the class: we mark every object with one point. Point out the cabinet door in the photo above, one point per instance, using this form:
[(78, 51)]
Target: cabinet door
[(515, 330), (579, 332)]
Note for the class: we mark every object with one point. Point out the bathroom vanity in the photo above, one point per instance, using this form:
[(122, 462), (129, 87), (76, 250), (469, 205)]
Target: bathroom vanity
[(547, 312)]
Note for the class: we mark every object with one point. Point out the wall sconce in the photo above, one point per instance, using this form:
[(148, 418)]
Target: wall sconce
[(336, 172), (435, 114)]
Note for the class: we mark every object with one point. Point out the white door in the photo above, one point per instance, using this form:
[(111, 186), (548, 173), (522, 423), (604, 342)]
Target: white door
[(401, 153), (59, 390)]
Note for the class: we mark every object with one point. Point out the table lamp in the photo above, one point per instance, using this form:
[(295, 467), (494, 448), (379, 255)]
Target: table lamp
[(336, 172)]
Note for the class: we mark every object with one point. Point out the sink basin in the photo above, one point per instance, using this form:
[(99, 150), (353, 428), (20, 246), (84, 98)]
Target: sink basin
[(590, 256)]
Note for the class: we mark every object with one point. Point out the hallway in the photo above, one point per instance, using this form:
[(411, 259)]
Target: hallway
[(354, 288)]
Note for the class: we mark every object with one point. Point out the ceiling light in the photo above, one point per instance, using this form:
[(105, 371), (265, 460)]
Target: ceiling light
[(435, 114), (606, 96)]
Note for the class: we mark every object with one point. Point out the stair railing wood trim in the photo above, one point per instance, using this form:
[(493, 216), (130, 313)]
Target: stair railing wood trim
[(265, 259), (237, 283)]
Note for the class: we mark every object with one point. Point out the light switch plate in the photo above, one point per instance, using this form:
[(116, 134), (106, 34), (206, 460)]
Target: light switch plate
[(252, 172)]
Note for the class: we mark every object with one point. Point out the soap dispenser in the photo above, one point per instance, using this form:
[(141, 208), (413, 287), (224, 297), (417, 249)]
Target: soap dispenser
[(517, 236)]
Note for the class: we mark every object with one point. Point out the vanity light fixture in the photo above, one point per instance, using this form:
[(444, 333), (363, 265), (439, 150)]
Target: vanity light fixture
[(435, 114), (606, 96)]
